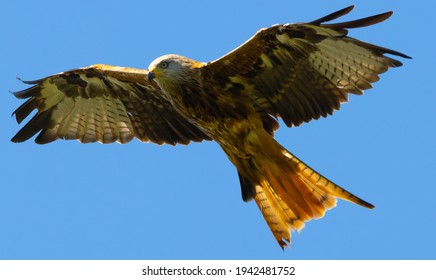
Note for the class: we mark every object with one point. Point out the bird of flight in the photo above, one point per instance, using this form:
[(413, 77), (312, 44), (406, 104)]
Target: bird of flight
[(296, 72)]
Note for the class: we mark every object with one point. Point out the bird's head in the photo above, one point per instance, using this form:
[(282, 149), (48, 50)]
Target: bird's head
[(171, 70)]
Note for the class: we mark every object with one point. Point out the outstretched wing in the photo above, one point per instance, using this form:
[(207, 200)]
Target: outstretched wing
[(101, 103), (300, 72)]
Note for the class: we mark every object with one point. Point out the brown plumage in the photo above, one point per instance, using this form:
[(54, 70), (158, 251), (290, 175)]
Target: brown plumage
[(297, 72), (101, 103)]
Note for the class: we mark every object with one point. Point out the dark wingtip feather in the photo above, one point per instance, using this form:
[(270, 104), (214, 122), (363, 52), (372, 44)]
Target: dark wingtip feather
[(333, 16), (360, 22), (35, 125), (383, 50), (389, 51), (45, 138), (24, 110), (363, 22), (34, 82), (26, 93)]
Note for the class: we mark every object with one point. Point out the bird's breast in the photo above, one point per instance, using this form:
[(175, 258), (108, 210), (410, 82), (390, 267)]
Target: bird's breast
[(227, 121)]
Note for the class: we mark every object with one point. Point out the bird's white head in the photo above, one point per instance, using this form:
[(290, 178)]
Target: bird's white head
[(171, 70)]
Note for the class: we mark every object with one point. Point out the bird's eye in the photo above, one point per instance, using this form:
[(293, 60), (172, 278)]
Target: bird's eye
[(164, 64)]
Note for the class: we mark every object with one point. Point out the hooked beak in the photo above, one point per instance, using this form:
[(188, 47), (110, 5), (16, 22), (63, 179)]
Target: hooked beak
[(150, 75)]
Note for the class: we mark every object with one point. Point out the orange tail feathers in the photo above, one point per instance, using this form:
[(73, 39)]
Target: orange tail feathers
[(287, 191)]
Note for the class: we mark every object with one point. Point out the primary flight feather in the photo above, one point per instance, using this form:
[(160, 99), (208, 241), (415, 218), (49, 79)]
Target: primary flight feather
[(296, 72)]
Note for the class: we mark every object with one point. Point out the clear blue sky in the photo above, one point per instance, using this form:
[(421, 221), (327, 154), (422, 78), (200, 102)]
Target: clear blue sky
[(67, 200)]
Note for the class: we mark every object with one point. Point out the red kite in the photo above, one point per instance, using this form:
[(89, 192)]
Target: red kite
[(296, 72)]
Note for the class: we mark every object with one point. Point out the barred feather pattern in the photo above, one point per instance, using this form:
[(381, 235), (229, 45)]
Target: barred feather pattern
[(101, 103), (304, 71)]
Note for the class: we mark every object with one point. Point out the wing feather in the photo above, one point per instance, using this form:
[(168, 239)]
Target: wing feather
[(101, 103), (304, 71)]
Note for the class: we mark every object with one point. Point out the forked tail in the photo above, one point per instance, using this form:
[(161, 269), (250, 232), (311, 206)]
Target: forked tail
[(287, 191)]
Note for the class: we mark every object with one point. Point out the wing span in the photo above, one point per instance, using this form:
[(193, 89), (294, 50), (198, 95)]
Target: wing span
[(303, 71), (101, 103)]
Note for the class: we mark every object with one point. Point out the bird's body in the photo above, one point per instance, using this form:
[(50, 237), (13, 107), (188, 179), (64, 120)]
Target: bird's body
[(209, 110), (287, 191), (297, 72)]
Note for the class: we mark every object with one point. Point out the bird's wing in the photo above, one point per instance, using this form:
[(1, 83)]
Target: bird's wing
[(101, 103), (300, 72)]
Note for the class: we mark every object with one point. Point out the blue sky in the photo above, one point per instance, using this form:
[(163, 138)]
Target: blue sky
[(67, 200)]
